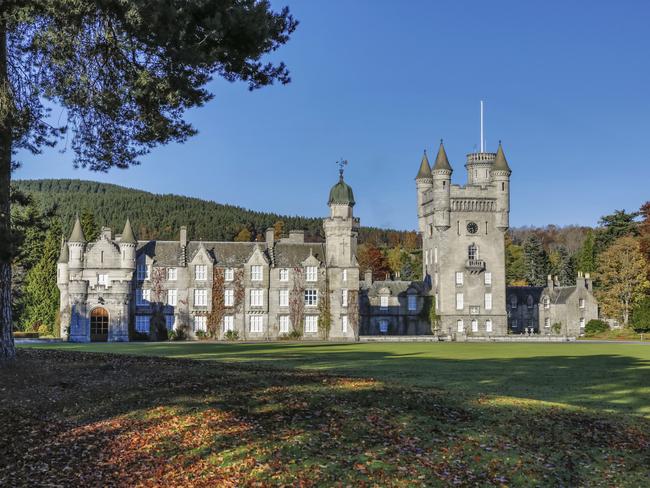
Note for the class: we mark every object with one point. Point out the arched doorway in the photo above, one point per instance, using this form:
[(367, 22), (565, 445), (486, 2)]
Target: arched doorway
[(99, 325)]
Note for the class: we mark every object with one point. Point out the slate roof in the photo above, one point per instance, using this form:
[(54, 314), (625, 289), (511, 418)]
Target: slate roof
[(77, 233), (292, 254), (341, 193), (128, 237), (166, 253), (559, 295), (64, 256), (500, 162), (425, 169), (441, 159), (396, 287)]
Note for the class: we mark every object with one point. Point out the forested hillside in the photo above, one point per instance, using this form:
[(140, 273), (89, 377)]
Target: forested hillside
[(160, 216)]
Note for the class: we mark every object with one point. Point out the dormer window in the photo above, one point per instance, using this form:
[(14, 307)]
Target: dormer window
[(383, 303), (284, 274), (256, 273), (229, 274), (311, 273), (200, 272), (171, 274)]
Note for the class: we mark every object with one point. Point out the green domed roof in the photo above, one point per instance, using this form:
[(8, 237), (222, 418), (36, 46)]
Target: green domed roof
[(341, 193)]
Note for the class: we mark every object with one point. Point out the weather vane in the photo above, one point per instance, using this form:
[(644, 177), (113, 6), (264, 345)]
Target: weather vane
[(342, 163)]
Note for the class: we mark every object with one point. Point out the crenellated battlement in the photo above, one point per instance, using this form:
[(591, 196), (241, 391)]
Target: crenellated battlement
[(481, 157)]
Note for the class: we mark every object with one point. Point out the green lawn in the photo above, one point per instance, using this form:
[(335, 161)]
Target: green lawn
[(599, 377)]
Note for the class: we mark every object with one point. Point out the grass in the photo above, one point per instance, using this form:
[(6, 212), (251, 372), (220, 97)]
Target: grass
[(621, 334), (409, 414)]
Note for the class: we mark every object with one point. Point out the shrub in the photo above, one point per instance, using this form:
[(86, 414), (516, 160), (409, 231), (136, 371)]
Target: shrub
[(641, 316), (231, 335), (594, 327), (26, 335), (291, 336), (202, 335), (140, 336), (177, 335), (556, 327)]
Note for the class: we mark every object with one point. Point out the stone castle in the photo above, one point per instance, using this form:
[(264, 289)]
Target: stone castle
[(118, 288)]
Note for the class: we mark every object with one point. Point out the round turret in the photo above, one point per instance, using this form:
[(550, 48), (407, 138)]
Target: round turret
[(501, 180), (128, 244), (76, 246), (441, 173)]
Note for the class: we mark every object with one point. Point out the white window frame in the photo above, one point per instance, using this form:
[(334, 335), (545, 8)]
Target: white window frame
[(344, 323), (460, 325), (256, 324), (435, 255), (344, 297), (283, 298), (581, 303), (311, 297), (200, 297), (383, 302), (284, 274), (228, 274), (311, 324), (102, 279), (172, 274), (142, 297), (460, 278), (143, 273), (228, 323), (488, 325), (142, 323), (547, 323), (229, 297), (285, 324), (488, 301), (311, 274), (172, 297), (547, 302), (460, 301), (199, 322), (412, 303), (582, 322), (257, 297), (345, 275), (474, 325), (257, 273), (169, 322), (200, 272), (487, 278)]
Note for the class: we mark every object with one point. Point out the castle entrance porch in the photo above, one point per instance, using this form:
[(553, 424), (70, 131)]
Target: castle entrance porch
[(99, 325)]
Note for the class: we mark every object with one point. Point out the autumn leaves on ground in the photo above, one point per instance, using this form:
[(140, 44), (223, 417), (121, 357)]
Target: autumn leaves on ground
[(80, 419)]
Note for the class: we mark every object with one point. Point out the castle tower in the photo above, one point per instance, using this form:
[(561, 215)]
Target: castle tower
[(423, 183), (341, 230), (128, 243), (62, 280), (463, 244), (76, 246)]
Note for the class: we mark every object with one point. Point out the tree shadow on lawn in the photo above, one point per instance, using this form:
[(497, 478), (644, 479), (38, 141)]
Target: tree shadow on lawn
[(89, 419)]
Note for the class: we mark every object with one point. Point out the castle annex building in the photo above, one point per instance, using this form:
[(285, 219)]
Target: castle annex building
[(118, 287)]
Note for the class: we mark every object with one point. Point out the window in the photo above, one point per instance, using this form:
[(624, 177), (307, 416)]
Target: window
[(426, 256), (228, 323), (256, 273), (345, 275), (344, 298), (311, 324), (142, 323), (200, 322), (311, 273), (547, 303), (142, 296), (459, 301), (256, 323), (413, 303), (472, 252), (229, 274), (229, 298), (171, 274), (488, 301), (435, 255), (383, 303), (581, 302), (529, 301), (488, 278), (311, 298), (102, 279), (383, 326), (513, 301), (169, 322), (515, 324), (547, 323), (460, 327), (284, 298), (474, 325), (459, 278), (344, 323), (435, 278), (143, 272), (172, 297), (257, 298), (284, 274), (582, 322), (200, 297), (488, 325), (284, 324), (430, 230), (200, 272)]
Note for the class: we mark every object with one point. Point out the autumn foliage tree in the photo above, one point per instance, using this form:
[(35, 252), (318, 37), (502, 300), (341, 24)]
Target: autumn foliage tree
[(125, 72), (371, 258)]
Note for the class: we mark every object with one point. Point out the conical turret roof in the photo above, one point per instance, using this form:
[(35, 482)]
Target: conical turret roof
[(500, 163), (64, 256), (77, 234), (441, 159), (425, 168), (128, 237)]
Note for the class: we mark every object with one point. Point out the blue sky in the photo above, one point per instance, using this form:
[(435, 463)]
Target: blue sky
[(566, 87)]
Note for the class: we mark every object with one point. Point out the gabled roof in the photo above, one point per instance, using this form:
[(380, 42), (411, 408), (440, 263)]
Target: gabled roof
[(441, 160), (77, 233), (500, 163), (425, 169)]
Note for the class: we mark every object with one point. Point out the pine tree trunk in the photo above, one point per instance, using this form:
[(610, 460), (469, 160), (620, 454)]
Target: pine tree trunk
[(7, 350)]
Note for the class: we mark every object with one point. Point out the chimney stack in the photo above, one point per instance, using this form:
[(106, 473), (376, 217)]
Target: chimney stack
[(270, 236), (368, 277), (183, 238), (549, 283)]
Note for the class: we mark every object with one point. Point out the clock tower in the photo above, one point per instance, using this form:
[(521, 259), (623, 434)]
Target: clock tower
[(463, 231)]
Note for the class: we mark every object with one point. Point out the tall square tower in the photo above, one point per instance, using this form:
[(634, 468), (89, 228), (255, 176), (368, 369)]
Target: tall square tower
[(463, 230)]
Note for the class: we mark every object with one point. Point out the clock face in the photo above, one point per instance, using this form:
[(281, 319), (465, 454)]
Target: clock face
[(472, 228)]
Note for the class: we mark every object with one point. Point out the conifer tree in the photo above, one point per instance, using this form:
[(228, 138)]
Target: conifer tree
[(587, 254), (88, 225), (535, 261), (41, 297)]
